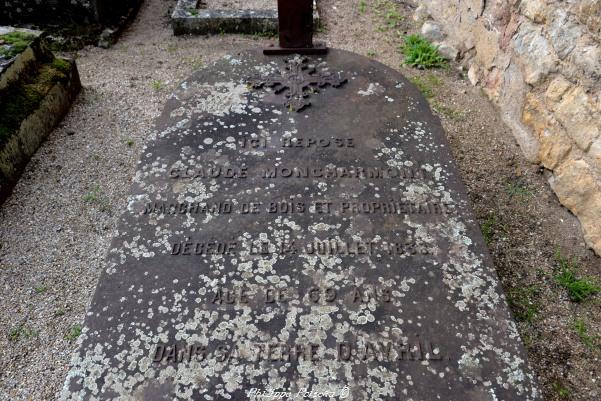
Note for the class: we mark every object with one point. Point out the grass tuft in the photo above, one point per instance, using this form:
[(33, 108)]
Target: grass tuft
[(524, 302), (579, 289), (97, 197), (582, 330), (41, 289), (157, 85), (73, 333), (21, 332), (517, 189), (488, 228), (362, 6), (420, 53), (561, 390)]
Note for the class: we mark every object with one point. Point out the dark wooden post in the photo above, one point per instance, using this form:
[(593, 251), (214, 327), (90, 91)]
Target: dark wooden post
[(296, 29)]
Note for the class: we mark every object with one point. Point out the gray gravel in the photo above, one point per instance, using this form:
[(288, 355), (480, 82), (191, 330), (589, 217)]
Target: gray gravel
[(56, 227)]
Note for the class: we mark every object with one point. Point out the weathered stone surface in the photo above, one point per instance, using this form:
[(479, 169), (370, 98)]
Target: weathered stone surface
[(557, 88), (536, 10), (432, 31), (554, 145), (420, 13), (12, 66), (400, 262), (564, 33), (588, 58), (511, 99), (589, 14), (595, 153), (188, 18), (52, 85), (575, 112), (550, 52), (447, 51), (577, 189), (535, 49), (472, 74)]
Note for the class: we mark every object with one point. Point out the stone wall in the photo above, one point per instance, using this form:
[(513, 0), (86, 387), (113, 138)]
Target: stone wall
[(540, 61), (64, 11)]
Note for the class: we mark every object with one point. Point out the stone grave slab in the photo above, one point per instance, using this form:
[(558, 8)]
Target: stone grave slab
[(203, 17), (298, 230), (29, 70)]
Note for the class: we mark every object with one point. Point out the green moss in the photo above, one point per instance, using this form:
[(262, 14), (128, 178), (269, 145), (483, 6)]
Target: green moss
[(21, 98), (18, 42), (49, 74), (62, 65)]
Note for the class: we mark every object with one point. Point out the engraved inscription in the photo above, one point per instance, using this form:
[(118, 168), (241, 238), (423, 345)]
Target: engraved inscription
[(318, 247), (318, 142), (413, 349), (352, 295), (328, 172), (266, 250), (398, 207)]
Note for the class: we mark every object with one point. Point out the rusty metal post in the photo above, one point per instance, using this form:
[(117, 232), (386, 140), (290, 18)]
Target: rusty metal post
[(296, 29)]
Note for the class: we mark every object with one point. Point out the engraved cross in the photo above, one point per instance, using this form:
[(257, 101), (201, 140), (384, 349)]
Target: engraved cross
[(295, 81)]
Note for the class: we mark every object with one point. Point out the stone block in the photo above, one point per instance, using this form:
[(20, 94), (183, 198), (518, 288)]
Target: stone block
[(577, 189), (535, 10), (187, 18), (589, 14), (535, 51), (557, 88), (50, 85), (472, 74), (563, 33), (575, 112), (448, 52), (554, 145), (595, 154), (588, 58), (432, 31)]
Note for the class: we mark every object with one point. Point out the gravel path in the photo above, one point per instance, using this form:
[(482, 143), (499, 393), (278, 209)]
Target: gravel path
[(55, 229)]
